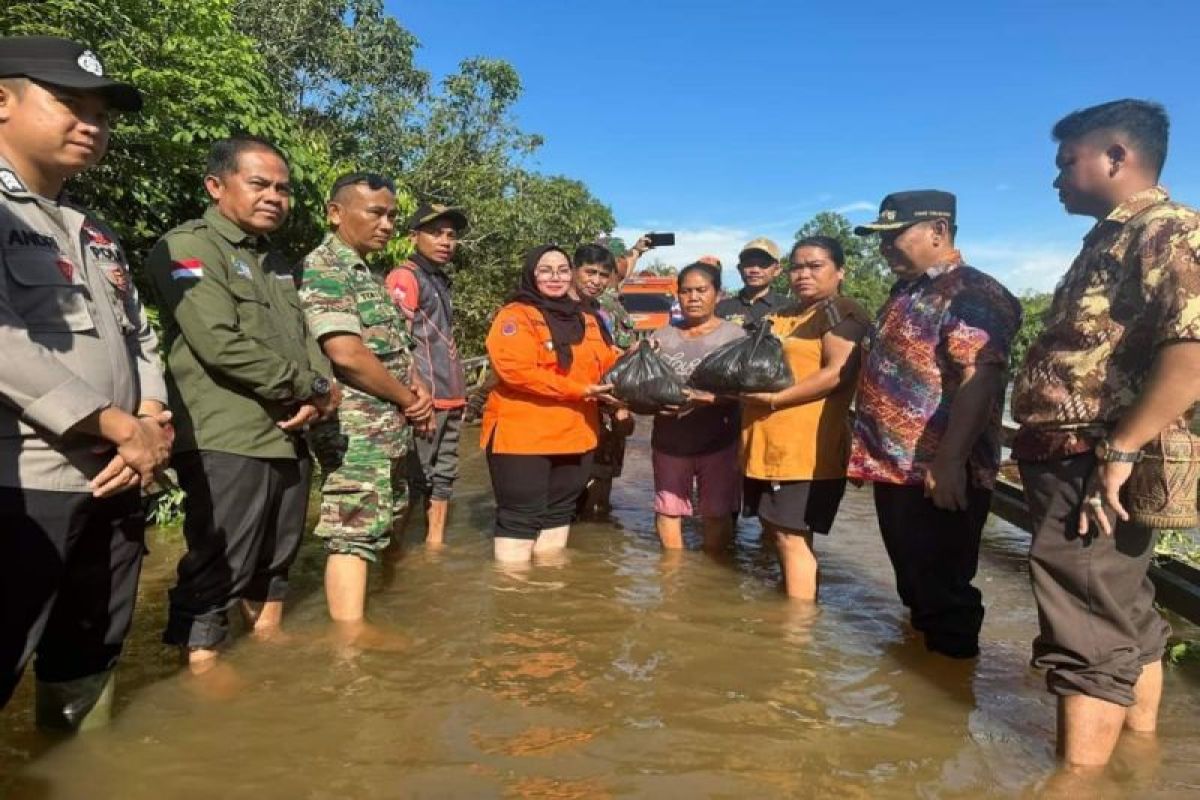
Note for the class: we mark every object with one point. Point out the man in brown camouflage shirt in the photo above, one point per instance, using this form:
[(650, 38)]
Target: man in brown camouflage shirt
[(1117, 363)]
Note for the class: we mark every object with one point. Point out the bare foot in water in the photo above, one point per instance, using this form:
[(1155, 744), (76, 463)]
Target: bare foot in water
[(213, 678), (362, 635), (272, 634), (1069, 783)]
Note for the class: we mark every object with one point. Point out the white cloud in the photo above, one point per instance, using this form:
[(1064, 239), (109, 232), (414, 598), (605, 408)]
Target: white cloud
[(1033, 267), (857, 205)]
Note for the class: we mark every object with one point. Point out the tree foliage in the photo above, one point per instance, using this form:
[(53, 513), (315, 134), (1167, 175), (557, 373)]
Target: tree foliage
[(335, 85), (351, 73), (202, 79), (1034, 306)]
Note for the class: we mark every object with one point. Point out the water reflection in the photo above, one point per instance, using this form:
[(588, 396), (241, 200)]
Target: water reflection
[(618, 673)]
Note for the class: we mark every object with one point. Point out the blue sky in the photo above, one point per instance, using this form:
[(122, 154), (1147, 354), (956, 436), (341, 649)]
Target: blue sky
[(724, 121)]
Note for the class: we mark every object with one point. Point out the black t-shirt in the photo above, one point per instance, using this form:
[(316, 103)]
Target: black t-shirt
[(740, 310)]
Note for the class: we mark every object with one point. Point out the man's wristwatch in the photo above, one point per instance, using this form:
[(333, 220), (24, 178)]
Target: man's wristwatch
[(1106, 452), (320, 386)]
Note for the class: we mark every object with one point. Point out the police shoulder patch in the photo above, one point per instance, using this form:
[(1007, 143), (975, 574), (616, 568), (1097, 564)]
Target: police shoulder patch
[(10, 181)]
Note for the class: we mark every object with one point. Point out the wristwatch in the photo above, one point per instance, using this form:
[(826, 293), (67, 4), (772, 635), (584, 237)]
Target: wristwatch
[(1106, 452), (320, 386)]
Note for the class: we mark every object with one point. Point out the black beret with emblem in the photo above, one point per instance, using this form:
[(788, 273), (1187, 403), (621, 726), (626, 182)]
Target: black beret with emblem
[(61, 62), (901, 209)]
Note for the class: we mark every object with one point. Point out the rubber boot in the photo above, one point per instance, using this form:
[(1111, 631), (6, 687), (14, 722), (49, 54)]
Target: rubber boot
[(79, 705)]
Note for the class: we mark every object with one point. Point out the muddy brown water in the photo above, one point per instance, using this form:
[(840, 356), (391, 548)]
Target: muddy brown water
[(620, 673)]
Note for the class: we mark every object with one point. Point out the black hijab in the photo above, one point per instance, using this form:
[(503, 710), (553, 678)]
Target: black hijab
[(563, 315)]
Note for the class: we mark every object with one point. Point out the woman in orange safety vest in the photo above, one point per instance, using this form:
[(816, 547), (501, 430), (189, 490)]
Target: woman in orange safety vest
[(541, 422)]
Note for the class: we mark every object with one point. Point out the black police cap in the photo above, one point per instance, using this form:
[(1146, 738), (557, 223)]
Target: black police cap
[(61, 62), (901, 209)]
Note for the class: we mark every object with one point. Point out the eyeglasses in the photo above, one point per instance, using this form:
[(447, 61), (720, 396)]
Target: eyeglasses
[(548, 272), (373, 180)]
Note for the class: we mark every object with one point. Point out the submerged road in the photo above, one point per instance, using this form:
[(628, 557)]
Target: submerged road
[(620, 673)]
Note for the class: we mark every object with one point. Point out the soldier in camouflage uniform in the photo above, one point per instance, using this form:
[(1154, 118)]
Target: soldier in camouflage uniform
[(362, 451), (593, 282)]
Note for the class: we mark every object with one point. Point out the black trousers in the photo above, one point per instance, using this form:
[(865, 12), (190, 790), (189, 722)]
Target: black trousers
[(1095, 599), (69, 566), (535, 493), (935, 553), (244, 521)]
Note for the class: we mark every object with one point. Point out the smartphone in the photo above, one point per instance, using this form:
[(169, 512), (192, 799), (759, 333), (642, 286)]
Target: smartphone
[(661, 239)]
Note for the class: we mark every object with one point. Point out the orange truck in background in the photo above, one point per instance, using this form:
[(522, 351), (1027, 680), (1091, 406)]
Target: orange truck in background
[(650, 300)]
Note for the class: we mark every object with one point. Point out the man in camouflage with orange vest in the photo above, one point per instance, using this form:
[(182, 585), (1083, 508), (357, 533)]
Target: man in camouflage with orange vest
[(363, 450)]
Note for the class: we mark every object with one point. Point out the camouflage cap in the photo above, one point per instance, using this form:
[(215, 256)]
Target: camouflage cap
[(428, 212), (763, 245), (901, 209)]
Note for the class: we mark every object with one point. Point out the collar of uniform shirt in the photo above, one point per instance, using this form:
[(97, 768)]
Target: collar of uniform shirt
[(768, 298), (335, 243), (229, 230), (953, 261), (1137, 203), (429, 267)]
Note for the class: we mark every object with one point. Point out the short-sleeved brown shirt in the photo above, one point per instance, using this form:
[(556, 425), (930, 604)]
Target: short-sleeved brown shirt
[(1134, 286)]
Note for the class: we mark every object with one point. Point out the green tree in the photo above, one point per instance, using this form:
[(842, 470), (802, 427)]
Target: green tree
[(868, 278), (348, 70), (343, 66), (1034, 306), (334, 84), (616, 245), (202, 79)]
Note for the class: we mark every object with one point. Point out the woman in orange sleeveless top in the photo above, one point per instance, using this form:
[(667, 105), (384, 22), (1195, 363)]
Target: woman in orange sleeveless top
[(541, 422), (796, 442)]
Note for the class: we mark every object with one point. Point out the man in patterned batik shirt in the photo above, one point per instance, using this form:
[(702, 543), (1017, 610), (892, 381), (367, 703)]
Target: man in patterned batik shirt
[(927, 426), (1117, 363)]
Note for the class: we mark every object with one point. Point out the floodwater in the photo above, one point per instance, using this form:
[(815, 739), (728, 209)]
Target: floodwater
[(621, 673)]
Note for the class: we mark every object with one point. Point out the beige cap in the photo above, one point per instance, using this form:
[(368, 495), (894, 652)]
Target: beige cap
[(762, 244)]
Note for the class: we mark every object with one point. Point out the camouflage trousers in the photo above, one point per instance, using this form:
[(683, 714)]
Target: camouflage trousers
[(363, 489)]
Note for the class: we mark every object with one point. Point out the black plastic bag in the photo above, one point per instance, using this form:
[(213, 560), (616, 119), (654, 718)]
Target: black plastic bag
[(644, 382), (754, 363)]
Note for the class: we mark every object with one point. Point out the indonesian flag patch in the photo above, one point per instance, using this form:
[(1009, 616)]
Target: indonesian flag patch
[(187, 269)]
